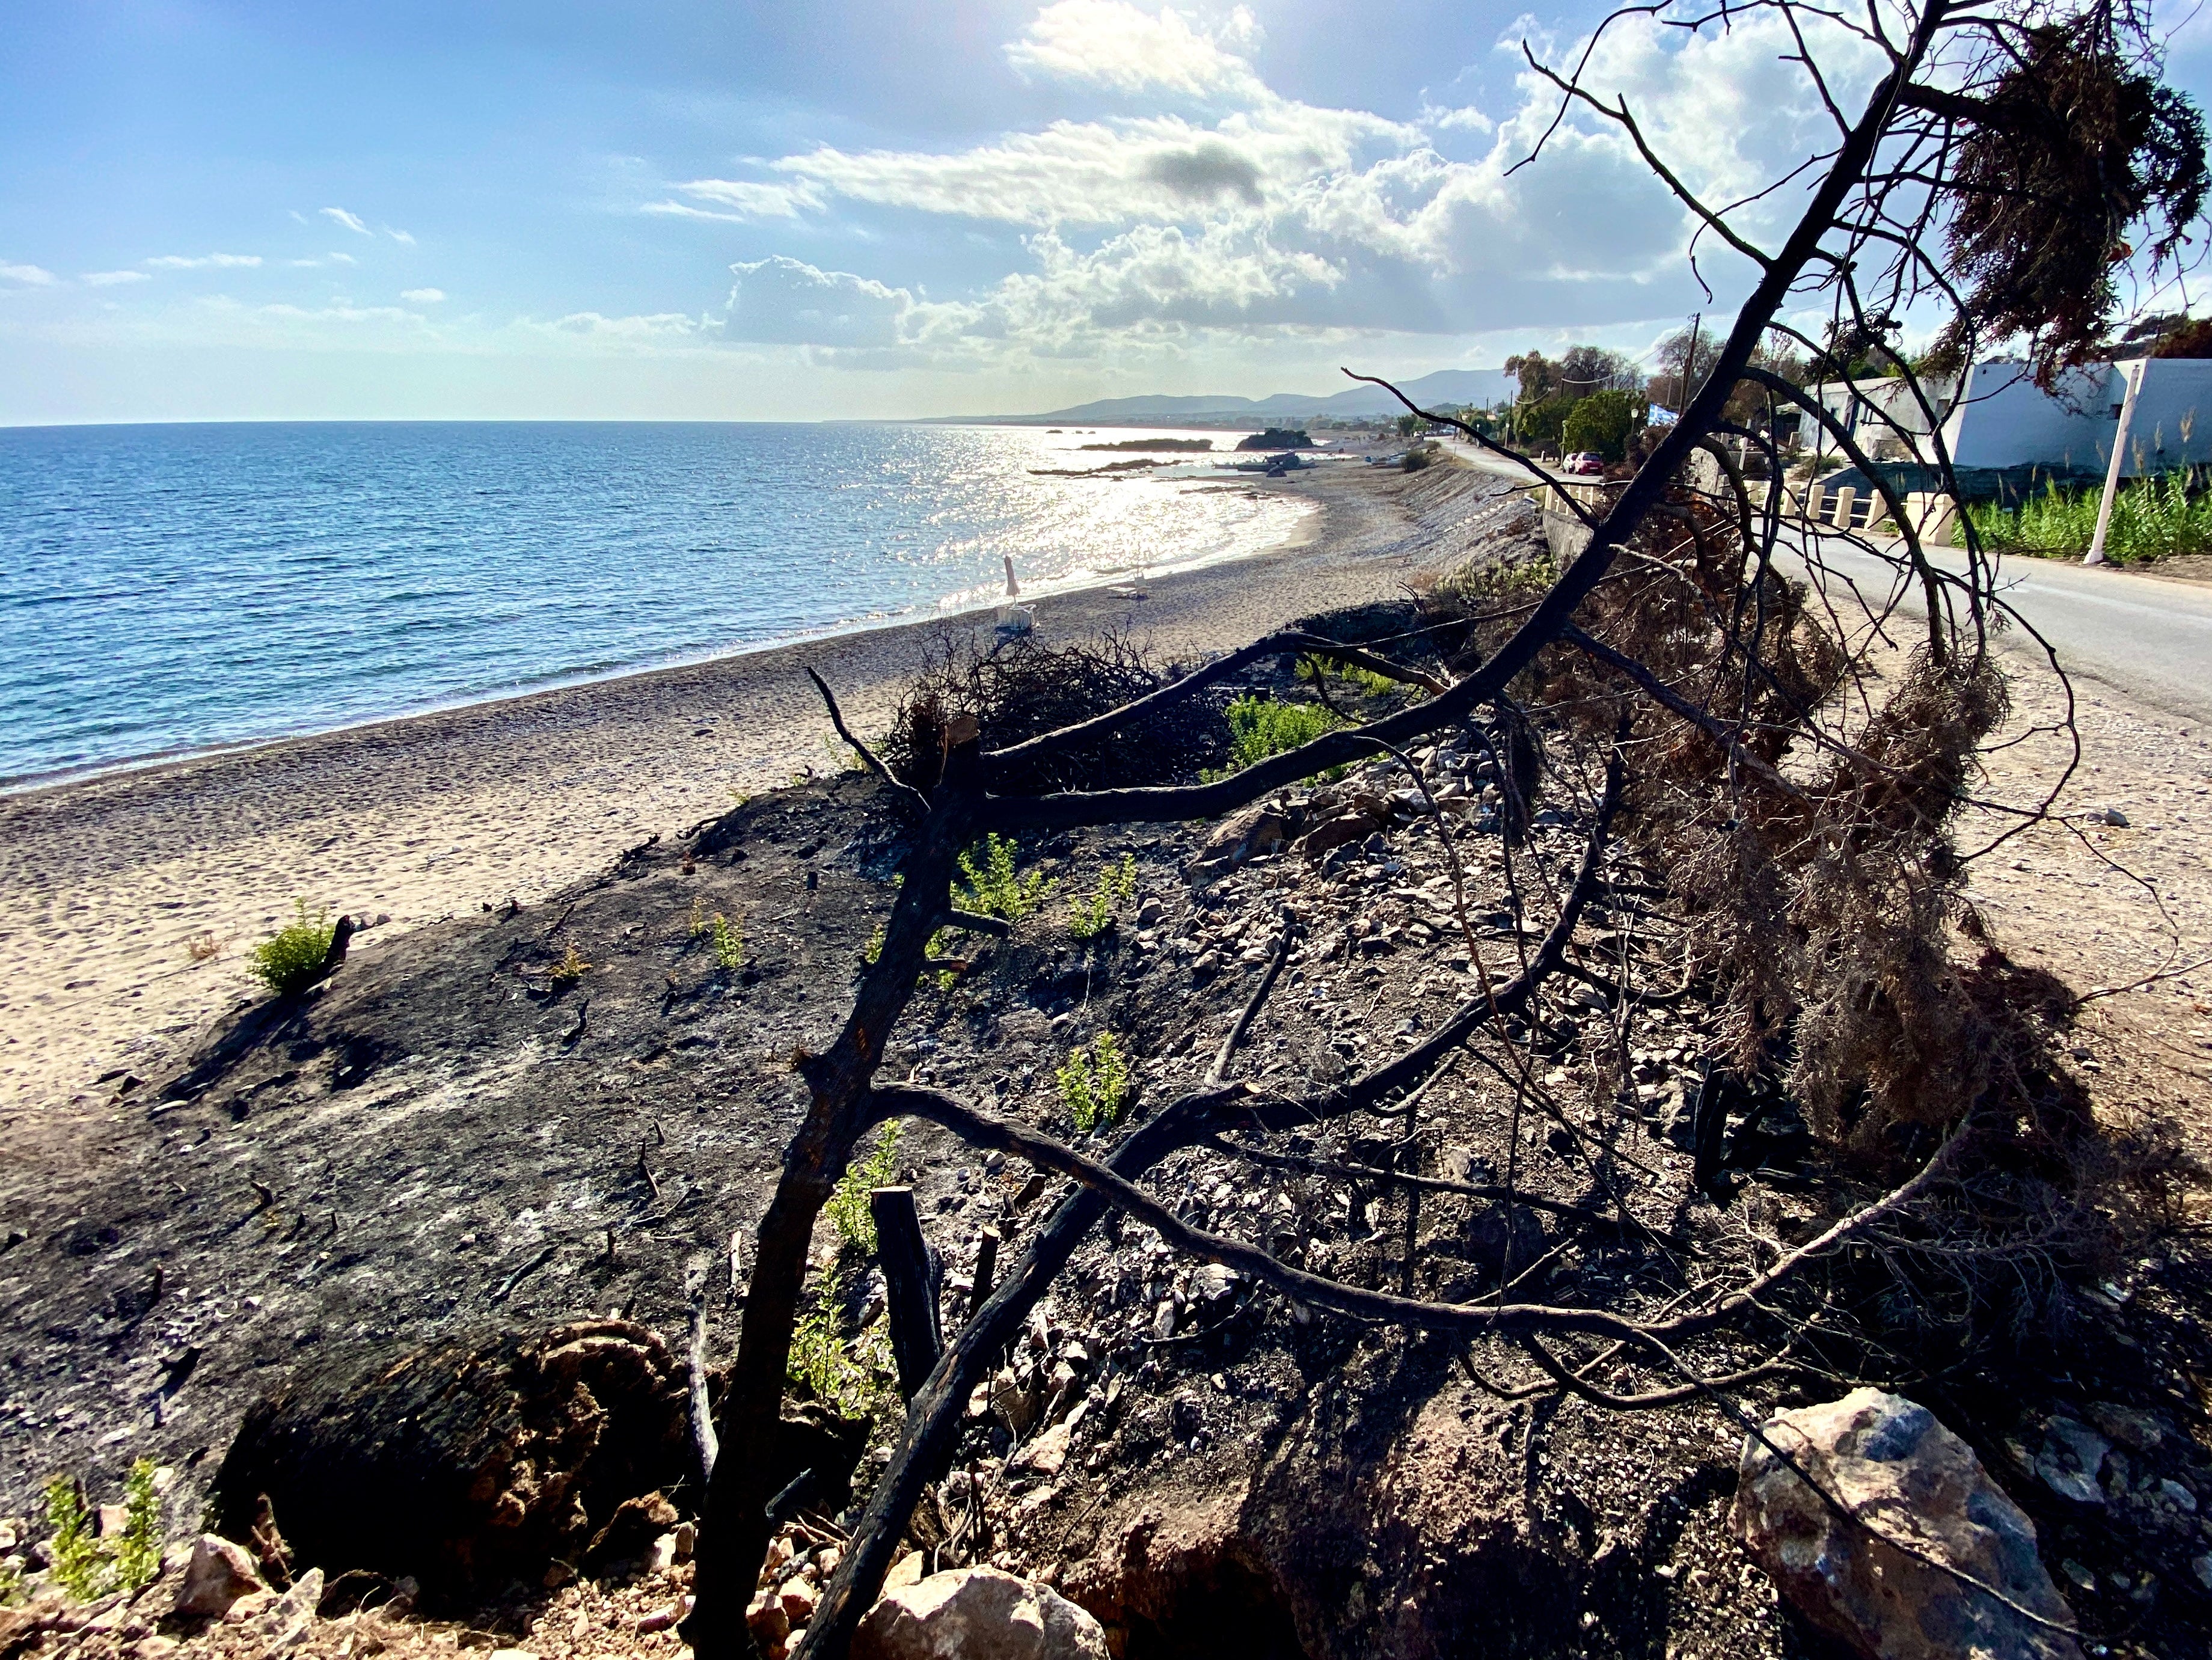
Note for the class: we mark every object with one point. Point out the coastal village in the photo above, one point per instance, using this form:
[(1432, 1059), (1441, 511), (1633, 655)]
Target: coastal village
[(1599, 1044)]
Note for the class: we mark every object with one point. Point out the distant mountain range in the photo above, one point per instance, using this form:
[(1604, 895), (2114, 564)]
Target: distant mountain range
[(1445, 386)]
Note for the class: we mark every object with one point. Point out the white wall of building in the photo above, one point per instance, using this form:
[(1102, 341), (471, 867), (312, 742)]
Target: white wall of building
[(2001, 419)]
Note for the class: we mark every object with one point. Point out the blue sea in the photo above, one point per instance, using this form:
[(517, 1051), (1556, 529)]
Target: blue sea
[(171, 588)]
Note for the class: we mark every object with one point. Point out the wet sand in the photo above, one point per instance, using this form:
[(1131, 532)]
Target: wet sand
[(105, 883)]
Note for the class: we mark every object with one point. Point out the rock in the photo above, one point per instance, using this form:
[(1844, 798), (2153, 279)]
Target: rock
[(767, 1621), (978, 1614), (219, 1572), (284, 1621), (1257, 830), (907, 1571), (797, 1599), (1905, 1477), (2072, 1460), (1333, 833), (1149, 913), (1048, 1452)]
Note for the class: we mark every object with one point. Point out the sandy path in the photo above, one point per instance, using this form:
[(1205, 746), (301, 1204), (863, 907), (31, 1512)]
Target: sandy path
[(105, 884)]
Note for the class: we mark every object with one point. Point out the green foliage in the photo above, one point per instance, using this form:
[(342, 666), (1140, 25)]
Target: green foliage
[(1260, 727), (293, 957), (848, 1206), (729, 943), (855, 1379), (993, 888), (87, 1567), (1603, 423), (1419, 457), (872, 952), (2152, 518), (1311, 669), (1094, 1085), (1117, 886)]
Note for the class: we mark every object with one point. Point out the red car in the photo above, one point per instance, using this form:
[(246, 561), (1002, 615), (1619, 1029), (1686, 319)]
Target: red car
[(1586, 464)]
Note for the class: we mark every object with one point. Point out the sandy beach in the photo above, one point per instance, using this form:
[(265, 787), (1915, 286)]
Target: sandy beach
[(107, 884)]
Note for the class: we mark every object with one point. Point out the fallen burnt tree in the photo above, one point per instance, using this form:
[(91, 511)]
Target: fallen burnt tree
[(1753, 739)]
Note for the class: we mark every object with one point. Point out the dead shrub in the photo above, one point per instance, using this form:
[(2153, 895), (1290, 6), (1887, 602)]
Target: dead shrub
[(1021, 688)]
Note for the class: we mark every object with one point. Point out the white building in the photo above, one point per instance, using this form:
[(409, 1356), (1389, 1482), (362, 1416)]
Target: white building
[(2001, 419)]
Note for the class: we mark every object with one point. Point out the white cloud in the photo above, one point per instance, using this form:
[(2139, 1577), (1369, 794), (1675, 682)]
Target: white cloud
[(352, 221), (201, 262), (658, 325), (781, 301), (745, 199), (399, 236), (423, 296), (104, 279), (37, 276), (1112, 44), (1265, 214)]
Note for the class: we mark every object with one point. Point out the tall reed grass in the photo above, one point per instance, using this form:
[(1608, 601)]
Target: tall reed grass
[(2152, 518)]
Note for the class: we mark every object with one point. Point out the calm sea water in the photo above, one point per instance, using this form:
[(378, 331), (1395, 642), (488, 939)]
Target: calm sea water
[(176, 587)]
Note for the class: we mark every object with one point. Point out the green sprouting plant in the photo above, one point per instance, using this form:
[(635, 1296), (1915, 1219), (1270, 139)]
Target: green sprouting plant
[(729, 943), (88, 1567), (2152, 518), (1260, 727), (993, 889), (11, 1585), (849, 1205), (1311, 669), (138, 1552), (854, 1379), (571, 968), (1117, 886), (293, 957), (874, 951), (1094, 1085)]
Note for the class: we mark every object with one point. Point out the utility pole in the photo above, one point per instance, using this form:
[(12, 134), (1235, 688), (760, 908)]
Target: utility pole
[(2134, 373), (1689, 363)]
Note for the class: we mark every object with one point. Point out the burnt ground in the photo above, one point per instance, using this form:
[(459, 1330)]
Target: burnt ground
[(449, 1138)]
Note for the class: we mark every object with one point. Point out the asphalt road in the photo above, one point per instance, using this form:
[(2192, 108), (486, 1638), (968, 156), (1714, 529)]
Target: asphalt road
[(2149, 637)]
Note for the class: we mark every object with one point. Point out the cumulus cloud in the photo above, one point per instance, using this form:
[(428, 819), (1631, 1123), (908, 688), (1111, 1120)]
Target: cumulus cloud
[(37, 276), (105, 279), (352, 221), (423, 296), (202, 262), (1112, 44), (784, 301)]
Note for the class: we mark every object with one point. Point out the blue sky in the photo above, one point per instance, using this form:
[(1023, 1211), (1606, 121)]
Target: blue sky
[(224, 210)]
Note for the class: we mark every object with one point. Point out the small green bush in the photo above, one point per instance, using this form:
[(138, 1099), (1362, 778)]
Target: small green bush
[(293, 957), (87, 1567), (1094, 1085), (729, 943), (1117, 886), (849, 1205), (993, 889), (1260, 727), (1311, 669), (855, 1380)]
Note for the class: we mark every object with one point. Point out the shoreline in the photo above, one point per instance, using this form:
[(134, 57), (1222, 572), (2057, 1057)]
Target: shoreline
[(951, 608), (108, 882)]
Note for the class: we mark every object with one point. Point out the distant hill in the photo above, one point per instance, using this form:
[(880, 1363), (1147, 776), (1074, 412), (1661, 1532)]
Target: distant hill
[(1445, 386)]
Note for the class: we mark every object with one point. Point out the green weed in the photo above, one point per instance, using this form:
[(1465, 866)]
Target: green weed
[(848, 1206), (729, 943), (1312, 668), (1260, 727), (1117, 886), (856, 1380), (571, 968), (87, 1567), (293, 957), (2152, 518), (993, 889), (872, 952), (1094, 1085)]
